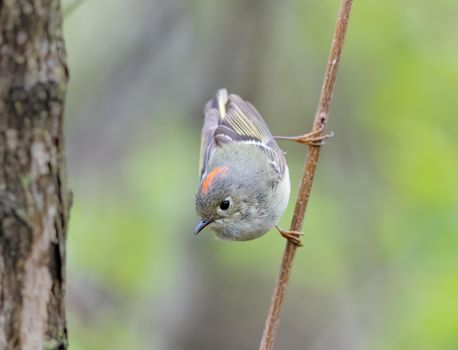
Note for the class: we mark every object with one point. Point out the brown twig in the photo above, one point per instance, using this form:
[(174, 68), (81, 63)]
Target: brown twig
[(319, 123)]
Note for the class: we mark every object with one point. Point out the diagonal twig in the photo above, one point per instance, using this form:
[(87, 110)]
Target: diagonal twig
[(319, 123)]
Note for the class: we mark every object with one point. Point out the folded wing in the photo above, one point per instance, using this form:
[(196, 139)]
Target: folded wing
[(228, 118)]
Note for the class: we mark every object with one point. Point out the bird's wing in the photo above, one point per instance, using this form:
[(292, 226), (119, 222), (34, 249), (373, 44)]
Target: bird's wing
[(231, 119), (212, 118)]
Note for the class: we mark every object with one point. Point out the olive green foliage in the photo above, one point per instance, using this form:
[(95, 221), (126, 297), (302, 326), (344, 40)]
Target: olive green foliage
[(378, 269)]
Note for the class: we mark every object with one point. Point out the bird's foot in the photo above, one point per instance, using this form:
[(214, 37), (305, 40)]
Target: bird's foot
[(313, 138), (292, 236)]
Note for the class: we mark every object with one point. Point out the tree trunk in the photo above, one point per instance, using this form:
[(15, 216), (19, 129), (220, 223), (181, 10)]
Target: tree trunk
[(34, 199)]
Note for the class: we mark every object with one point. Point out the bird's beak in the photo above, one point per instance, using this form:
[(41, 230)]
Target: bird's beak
[(201, 225)]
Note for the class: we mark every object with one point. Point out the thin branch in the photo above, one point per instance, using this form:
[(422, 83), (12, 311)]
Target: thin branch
[(319, 123)]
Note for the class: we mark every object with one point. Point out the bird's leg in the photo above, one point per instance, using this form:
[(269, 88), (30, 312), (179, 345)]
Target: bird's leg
[(313, 138), (292, 236)]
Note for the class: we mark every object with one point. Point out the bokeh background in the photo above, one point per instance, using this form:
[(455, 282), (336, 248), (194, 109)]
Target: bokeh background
[(379, 266)]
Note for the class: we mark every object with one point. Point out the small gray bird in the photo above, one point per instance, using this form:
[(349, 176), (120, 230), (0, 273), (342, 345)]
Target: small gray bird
[(245, 182)]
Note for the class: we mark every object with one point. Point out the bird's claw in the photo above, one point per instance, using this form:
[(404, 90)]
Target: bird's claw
[(313, 138), (292, 236)]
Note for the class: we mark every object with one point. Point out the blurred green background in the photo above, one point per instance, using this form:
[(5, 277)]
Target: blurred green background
[(379, 266)]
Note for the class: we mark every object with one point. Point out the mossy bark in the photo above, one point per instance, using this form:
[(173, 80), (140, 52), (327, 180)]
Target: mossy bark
[(34, 199)]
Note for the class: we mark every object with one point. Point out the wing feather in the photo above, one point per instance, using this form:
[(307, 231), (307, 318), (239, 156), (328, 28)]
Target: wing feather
[(228, 118)]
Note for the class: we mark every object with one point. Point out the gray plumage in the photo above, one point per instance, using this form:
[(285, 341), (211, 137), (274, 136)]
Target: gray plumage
[(241, 164)]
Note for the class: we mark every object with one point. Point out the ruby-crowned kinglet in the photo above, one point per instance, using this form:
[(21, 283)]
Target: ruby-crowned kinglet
[(245, 182)]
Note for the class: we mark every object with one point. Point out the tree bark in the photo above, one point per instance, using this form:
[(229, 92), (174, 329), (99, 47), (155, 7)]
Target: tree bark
[(34, 199)]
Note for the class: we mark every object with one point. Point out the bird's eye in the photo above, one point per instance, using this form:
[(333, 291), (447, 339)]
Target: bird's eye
[(225, 204)]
